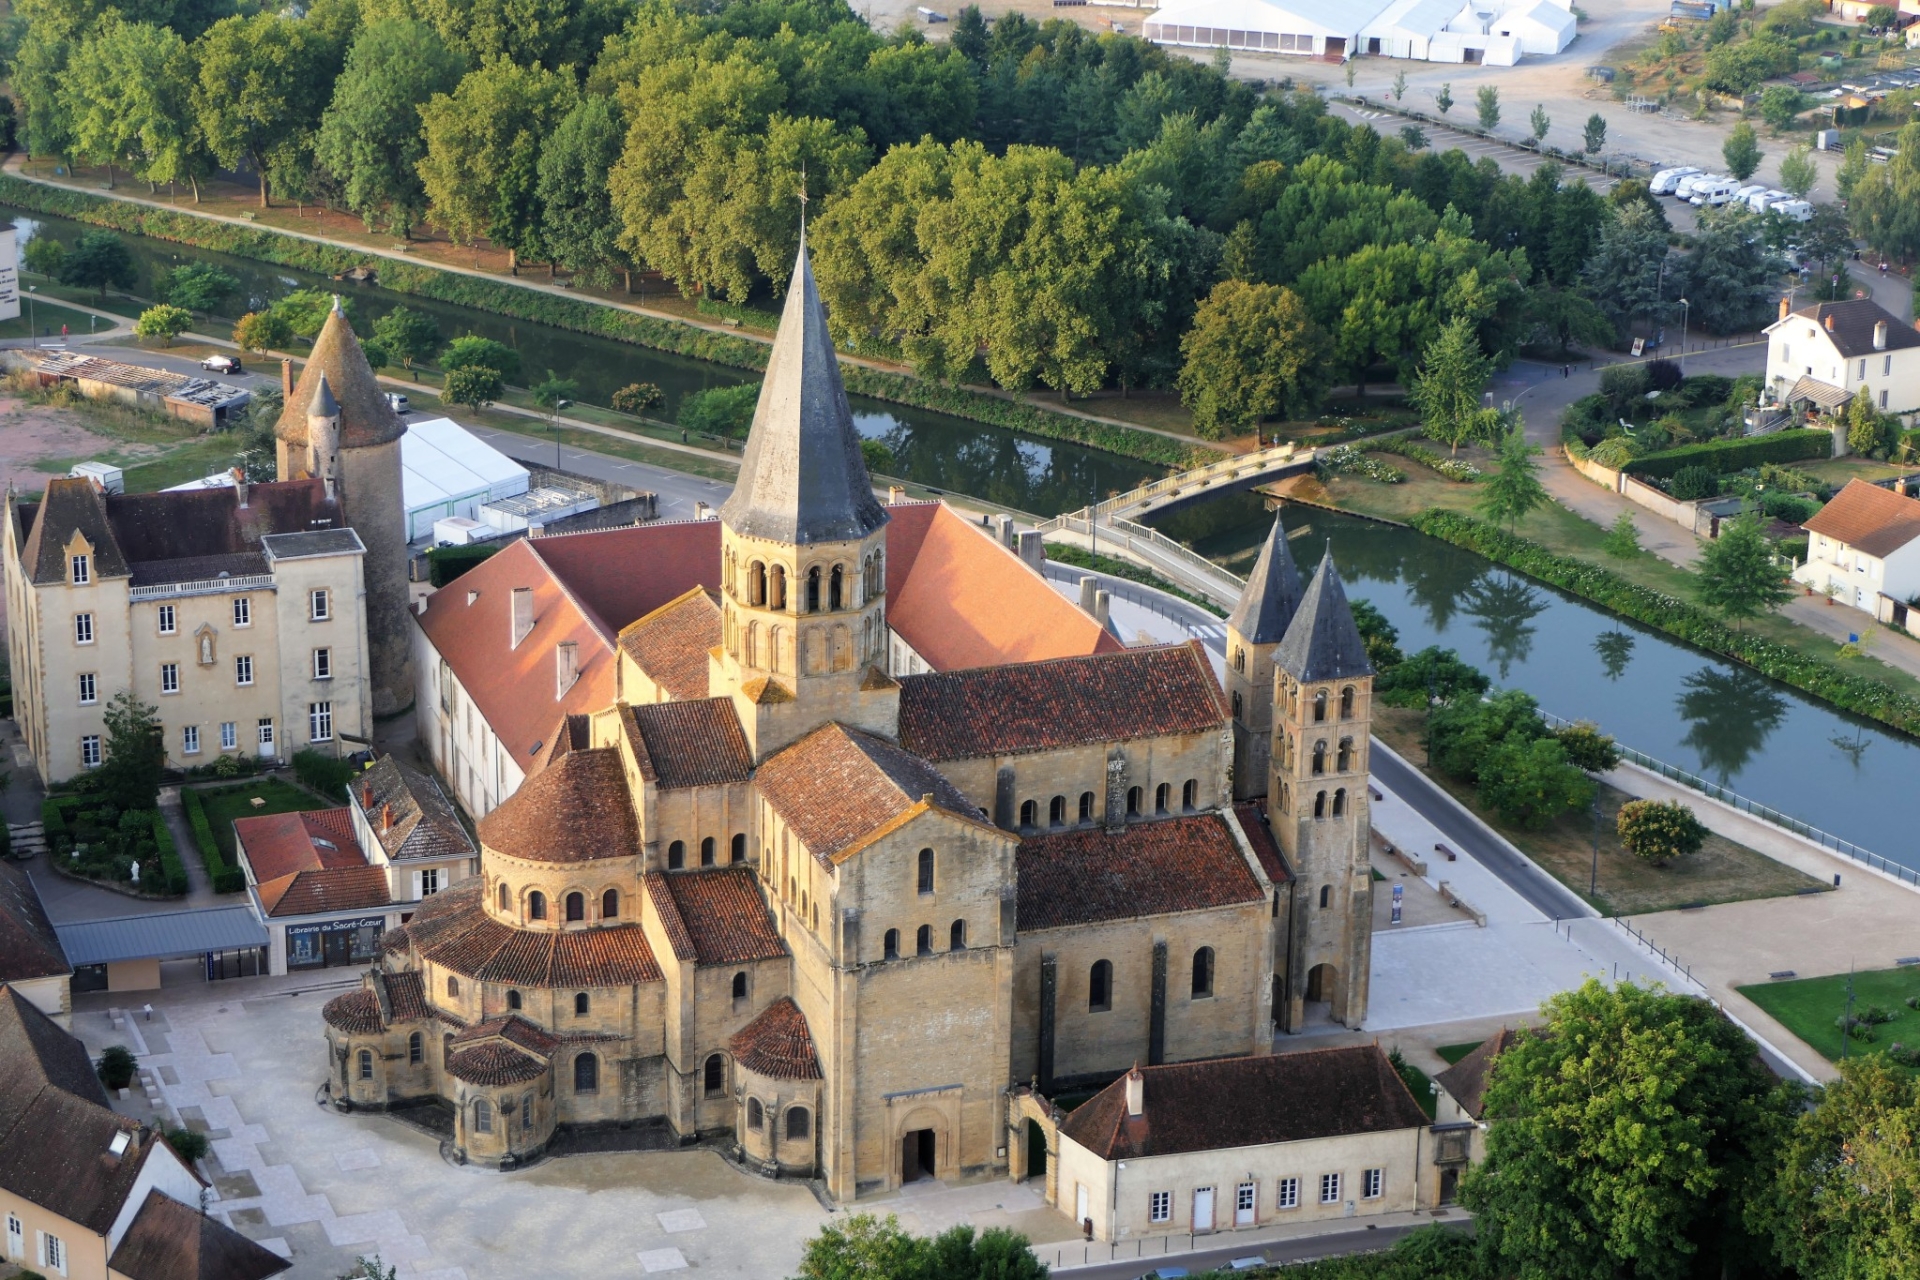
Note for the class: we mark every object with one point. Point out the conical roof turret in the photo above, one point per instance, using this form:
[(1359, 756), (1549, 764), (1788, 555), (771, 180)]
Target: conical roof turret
[(324, 405), (1322, 642), (802, 478), (365, 416), (1272, 594)]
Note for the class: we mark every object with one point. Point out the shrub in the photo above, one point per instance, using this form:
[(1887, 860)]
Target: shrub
[(210, 857), (172, 871), (1789, 507), (53, 820), (1659, 830), (1722, 456), (444, 564), (1704, 389), (637, 397), (1457, 470), (1344, 458), (469, 351), (163, 321), (117, 1066), (1624, 387), (329, 775), (720, 411), (188, 1145), (1689, 483), (1587, 747), (1663, 375)]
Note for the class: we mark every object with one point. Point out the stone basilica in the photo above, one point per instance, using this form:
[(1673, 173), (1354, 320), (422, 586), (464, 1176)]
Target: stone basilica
[(783, 892)]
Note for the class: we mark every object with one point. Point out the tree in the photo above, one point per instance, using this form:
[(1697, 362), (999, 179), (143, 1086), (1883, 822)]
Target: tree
[(1512, 492), (1627, 273), (554, 393), (469, 350), (1444, 98), (878, 457), (1885, 202), (474, 386), (263, 331), (1780, 103), (198, 286), (1567, 318), (481, 168), (1623, 538), (1253, 352), (1797, 172), (370, 135), (1588, 748), (1871, 433), (720, 411), (1540, 122), (1399, 85), (1882, 17), (1730, 277), (1849, 1177), (1741, 151), (1659, 831), (117, 1066), (1854, 167), (579, 225), (1595, 134), (637, 397), (1487, 103), (1414, 136), (306, 310), (190, 1145), (377, 355), (863, 1247), (1432, 673), (98, 260), (128, 88), (1447, 391), (1633, 1134), (1530, 783), (409, 336), (1737, 574), (259, 92), (129, 776), (1381, 638), (43, 254), (1465, 731), (163, 321)]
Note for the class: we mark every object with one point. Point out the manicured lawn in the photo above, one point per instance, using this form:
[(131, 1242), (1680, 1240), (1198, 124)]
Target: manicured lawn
[(1452, 1053), (47, 317), (199, 457), (1722, 871), (1420, 1085), (224, 804), (1810, 1008)]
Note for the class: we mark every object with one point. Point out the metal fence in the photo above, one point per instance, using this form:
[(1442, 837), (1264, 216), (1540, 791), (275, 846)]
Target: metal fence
[(1184, 566)]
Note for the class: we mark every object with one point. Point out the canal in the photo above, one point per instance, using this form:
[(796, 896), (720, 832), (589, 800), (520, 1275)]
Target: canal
[(1044, 477), (1711, 717)]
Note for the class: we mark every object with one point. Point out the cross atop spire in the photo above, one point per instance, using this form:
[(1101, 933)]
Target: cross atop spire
[(1272, 593)]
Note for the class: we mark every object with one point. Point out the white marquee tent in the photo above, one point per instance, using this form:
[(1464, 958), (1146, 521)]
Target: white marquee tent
[(448, 471), (1493, 32)]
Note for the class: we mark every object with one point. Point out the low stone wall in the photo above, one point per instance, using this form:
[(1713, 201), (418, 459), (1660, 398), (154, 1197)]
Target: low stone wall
[(1605, 477), (1654, 500)]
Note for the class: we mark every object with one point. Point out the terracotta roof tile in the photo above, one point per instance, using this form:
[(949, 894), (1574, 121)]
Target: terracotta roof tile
[(1466, 1080), (622, 575), (494, 1063), (688, 744), (1253, 825), (29, 948), (1871, 519), (578, 810), (408, 813), (669, 912), (515, 1030), (670, 644), (720, 914), (837, 786), (1242, 1102), (169, 1240), (963, 600), (1145, 869), (1040, 706), (604, 958), (453, 930), (406, 996), (342, 889), (777, 1044), (356, 1013)]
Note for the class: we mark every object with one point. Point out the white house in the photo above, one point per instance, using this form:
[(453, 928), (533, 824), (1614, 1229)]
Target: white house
[(1863, 549), (1825, 352), (1492, 32)]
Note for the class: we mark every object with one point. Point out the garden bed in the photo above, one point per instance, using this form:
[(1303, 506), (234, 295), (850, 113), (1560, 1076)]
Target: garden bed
[(211, 811), (89, 840), (1811, 1008)]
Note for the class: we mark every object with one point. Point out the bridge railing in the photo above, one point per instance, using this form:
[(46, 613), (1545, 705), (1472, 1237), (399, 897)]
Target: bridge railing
[(1186, 567), (1199, 477)]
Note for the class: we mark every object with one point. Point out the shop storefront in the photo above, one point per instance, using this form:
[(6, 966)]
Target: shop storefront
[(327, 943)]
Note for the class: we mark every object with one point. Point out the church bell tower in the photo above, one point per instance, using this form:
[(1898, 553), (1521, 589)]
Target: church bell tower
[(1254, 630)]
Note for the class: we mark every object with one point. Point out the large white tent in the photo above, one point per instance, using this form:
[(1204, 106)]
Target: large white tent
[(1493, 32), (447, 471)]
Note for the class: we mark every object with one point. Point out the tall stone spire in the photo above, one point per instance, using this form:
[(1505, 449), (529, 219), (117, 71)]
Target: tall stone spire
[(802, 479), (1322, 642), (1272, 594)]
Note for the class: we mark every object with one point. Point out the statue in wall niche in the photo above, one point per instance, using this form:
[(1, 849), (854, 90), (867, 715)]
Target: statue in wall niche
[(206, 646)]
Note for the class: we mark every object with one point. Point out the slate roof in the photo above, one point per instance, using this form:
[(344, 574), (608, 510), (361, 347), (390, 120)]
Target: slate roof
[(169, 1240), (837, 788), (1849, 326), (716, 916), (71, 504), (1466, 1080), (408, 813), (1144, 869), (1868, 518), (575, 810), (1244, 1102), (1322, 642), (337, 361), (1272, 594), (29, 948), (1065, 702), (670, 644), (777, 1044), (688, 744), (802, 478), (453, 930)]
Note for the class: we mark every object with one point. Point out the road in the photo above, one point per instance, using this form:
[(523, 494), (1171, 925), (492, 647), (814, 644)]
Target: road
[(1299, 1249)]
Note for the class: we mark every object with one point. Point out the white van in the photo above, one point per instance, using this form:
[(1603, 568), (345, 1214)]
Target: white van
[(1684, 188), (1762, 201), (1713, 193), (1793, 210), (1665, 180)]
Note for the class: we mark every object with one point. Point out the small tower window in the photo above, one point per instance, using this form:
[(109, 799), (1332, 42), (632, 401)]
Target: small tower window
[(1340, 802), (1133, 802), (1190, 793), (924, 879), (891, 945), (1344, 760), (1029, 813), (1100, 986), (957, 936), (1240, 660), (513, 1000), (1057, 812), (836, 587), (1086, 806), (706, 852), (923, 940), (610, 905), (366, 1064), (777, 588), (1319, 804), (738, 852), (740, 986), (1203, 973), (757, 584), (1346, 703), (813, 589), (755, 1113), (1320, 706), (416, 1049), (676, 855), (1162, 797), (715, 1076), (1319, 758), (536, 905), (576, 906), (506, 897), (581, 1004), (1236, 704), (1326, 896)]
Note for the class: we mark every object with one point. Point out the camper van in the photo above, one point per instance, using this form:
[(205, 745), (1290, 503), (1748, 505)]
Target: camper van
[(1664, 181), (1684, 189), (1716, 192), (1764, 200), (1793, 210)]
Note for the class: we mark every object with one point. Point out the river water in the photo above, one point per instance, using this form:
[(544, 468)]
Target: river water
[(1044, 477), (1711, 717)]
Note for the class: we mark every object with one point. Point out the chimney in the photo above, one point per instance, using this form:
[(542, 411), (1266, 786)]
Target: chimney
[(566, 666), (472, 596), (1829, 323), (1003, 530), (700, 511), (386, 818), (522, 614), (1102, 605), (1136, 1092), (1089, 589), (1880, 335), (1033, 550), (1786, 306), (240, 486), (366, 796), (896, 494), (286, 380)]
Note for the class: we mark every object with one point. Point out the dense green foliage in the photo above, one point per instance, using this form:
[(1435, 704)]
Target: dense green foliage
[(322, 772), (117, 1066), (1738, 575), (721, 411), (1847, 1195), (1431, 674), (1659, 830), (444, 564), (225, 876), (1736, 454), (863, 1247), (129, 778)]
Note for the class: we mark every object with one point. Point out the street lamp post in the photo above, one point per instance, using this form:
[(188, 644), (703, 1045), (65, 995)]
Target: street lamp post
[(1593, 880), (32, 325), (1686, 314)]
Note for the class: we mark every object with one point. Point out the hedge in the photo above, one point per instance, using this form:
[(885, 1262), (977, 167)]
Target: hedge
[(580, 315), (171, 868), (1682, 619), (1722, 456), (53, 823), (226, 879)]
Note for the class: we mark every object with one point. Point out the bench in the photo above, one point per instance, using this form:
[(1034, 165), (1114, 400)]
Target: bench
[(1779, 974), (1446, 853)]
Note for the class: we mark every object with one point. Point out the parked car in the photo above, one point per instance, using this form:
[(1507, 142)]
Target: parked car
[(396, 402), (222, 364), (1664, 181)]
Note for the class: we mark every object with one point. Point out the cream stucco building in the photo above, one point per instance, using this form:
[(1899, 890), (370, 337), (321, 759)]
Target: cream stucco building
[(1826, 353)]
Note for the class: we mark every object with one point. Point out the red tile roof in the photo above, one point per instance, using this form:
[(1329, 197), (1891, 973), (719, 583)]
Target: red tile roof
[(777, 1044), (1040, 706), (622, 575), (837, 787), (316, 892), (715, 917), (1243, 1102), (1145, 869), (1871, 519), (1253, 824), (29, 948), (670, 644), (309, 862), (406, 997), (963, 600), (494, 1063), (576, 810), (515, 1030), (357, 1013), (688, 744), (453, 930), (169, 1240)]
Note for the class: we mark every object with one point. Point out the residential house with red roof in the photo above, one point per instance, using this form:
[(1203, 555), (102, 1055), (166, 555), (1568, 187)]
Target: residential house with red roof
[(1863, 550)]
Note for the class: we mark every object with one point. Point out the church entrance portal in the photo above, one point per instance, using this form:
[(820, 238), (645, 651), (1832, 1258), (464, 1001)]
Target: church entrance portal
[(1036, 1151), (917, 1153), (1320, 981)]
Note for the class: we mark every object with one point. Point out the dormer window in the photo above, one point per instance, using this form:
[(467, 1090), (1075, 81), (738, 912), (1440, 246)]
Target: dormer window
[(81, 569)]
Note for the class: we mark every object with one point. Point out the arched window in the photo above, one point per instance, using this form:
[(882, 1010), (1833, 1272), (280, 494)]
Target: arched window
[(536, 905), (1100, 986), (482, 1116), (576, 906), (366, 1064), (581, 1004), (715, 1074), (676, 855), (757, 583), (1344, 759), (1319, 758), (610, 905), (1326, 896), (740, 986), (924, 878), (1162, 797), (1340, 802), (738, 852), (892, 945), (1057, 812), (777, 588), (1133, 802), (957, 936), (1086, 806), (1346, 703), (1029, 813), (1286, 797), (835, 588), (586, 1074), (1319, 804), (813, 589), (706, 851), (1190, 793), (799, 1124), (1203, 972), (453, 986), (1320, 706), (416, 1049), (1236, 704), (506, 897), (755, 1114), (1239, 659), (513, 999), (923, 940)]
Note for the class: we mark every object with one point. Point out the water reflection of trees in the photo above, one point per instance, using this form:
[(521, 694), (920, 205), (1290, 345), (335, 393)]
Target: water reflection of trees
[(1616, 650), (1729, 713), (1005, 469), (1504, 608)]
